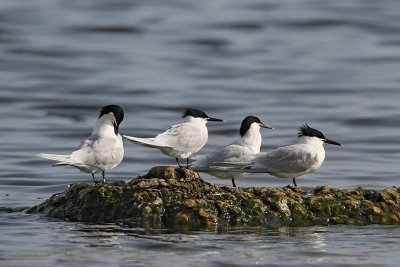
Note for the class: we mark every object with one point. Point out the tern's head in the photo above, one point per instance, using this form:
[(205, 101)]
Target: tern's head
[(252, 123), (311, 134), (191, 113), (115, 113)]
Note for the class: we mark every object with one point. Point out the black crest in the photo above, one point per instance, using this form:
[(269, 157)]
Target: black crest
[(194, 113), (246, 123), (118, 114), (306, 130)]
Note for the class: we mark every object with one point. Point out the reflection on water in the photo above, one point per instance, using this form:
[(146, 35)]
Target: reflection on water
[(105, 245), (332, 64)]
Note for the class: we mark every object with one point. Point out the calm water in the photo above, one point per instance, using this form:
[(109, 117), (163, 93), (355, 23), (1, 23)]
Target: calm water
[(332, 64)]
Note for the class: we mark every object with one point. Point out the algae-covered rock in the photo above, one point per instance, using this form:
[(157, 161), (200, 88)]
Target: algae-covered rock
[(172, 196)]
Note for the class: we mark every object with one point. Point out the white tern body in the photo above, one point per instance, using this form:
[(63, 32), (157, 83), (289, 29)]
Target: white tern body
[(289, 161), (102, 150), (180, 140), (239, 151)]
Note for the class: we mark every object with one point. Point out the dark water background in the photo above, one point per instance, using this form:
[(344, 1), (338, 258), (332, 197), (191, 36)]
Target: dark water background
[(333, 64)]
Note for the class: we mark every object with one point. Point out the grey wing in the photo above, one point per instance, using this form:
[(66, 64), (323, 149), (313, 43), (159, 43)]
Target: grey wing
[(182, 137), (231, 153), (85, 152), (99, 152), (293, 159)]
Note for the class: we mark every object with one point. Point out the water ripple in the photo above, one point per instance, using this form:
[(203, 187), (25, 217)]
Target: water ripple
[(333, 64)]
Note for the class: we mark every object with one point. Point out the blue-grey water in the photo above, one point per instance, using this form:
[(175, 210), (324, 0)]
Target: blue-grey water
[(333, 64)]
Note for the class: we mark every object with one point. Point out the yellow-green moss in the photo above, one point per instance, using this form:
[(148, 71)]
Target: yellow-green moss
[(170, 196)]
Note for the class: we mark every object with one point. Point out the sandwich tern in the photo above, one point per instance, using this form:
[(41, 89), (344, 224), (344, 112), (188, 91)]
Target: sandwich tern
[(101, 151), (239, 151), (180, 140), (289, 161)]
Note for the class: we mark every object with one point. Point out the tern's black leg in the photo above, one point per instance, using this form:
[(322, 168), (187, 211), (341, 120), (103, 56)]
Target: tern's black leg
[(233, 182), (187, 163), (294, 181), (93, 178), (177, 161), (104, 178)]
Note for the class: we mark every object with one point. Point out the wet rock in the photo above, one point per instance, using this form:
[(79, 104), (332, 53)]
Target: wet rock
[(171, 196)]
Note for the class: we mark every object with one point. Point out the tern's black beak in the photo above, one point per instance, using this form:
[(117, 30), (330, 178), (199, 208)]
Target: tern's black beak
[(214, 119), (328, 141), (115, 128), (262, 125)]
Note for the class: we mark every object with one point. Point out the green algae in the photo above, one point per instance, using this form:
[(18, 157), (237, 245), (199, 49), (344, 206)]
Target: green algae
[(171, 196)]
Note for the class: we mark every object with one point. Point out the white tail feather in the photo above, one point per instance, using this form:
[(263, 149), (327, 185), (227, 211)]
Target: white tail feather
[(65, 160), (62, 159), (54, 157), (148, 142)]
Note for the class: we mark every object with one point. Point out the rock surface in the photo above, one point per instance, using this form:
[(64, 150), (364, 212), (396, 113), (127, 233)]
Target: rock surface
[(169, 196)]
